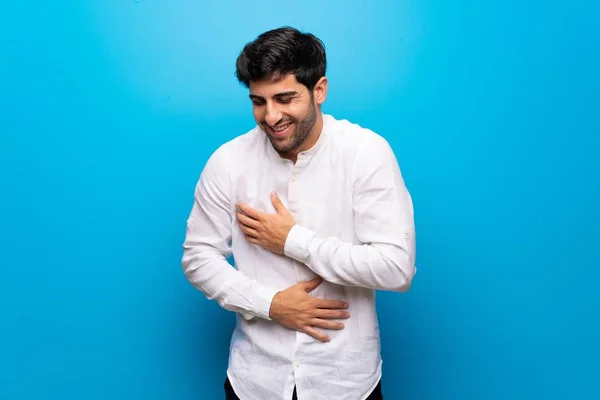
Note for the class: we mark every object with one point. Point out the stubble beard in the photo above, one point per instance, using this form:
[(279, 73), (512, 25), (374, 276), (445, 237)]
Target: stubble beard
[(302, 130)]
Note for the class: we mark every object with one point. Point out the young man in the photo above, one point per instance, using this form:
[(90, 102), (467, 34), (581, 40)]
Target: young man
[(317, 216)]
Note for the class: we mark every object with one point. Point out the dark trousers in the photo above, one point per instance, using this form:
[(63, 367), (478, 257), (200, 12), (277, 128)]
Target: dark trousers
[(230, 394)]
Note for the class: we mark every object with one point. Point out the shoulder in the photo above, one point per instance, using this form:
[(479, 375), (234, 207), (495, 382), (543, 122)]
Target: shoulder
[(232, 151), (358, 142), (224, 162)]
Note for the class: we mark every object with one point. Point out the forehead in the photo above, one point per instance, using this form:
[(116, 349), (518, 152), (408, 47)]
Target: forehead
[(268, 88)]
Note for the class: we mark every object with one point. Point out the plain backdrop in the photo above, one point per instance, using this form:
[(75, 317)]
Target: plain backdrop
[(109, 110)]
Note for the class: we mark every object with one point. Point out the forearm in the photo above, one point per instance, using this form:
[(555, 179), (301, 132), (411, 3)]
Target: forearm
[(209, 271), (207, 244), (382, 266)]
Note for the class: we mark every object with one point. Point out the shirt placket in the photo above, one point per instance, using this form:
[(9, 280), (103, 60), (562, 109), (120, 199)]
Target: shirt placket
[(295, 196), (294, 206)]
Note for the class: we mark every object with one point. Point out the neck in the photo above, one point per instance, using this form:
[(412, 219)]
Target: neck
[(309, 142)]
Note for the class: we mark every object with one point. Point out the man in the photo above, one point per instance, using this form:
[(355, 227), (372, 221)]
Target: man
[(317, 217)]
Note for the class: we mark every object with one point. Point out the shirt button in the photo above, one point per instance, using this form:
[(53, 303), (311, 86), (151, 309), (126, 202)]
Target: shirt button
[(296, 365), (293, 179)]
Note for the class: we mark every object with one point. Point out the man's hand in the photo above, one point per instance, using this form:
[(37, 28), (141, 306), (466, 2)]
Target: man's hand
[(266, 230), (294, 308)]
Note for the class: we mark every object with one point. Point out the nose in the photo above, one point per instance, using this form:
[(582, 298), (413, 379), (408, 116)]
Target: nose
[(273, 115)]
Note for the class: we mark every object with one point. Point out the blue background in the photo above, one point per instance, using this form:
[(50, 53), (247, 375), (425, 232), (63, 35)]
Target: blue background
[(109, 110)]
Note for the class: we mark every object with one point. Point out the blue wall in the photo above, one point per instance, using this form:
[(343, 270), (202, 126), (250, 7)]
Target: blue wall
[(109, 110)]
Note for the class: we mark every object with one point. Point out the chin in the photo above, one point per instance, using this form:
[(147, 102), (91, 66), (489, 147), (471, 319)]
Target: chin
[(282, 142), (282, 146)]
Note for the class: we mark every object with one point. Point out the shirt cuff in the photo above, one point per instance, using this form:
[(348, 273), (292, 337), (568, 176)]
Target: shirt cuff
[(263, 297), (296, 244)]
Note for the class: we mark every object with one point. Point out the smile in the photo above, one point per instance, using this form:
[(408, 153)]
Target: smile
[(282, 130)]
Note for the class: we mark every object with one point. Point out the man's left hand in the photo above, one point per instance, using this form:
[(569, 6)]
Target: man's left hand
[(269, 231)]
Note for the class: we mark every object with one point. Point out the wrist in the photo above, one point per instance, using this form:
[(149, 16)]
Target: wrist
[(297, 243), (275, 306), (284, 238)]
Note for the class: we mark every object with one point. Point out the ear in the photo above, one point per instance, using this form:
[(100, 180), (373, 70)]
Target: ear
[(320, 91)]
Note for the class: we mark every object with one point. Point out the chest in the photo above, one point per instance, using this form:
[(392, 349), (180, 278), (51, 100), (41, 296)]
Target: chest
[(317, 191)]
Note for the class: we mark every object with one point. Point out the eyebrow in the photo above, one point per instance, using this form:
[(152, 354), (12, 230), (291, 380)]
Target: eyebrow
[(289, 93)]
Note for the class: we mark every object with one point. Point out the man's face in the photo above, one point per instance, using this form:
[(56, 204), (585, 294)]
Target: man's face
[(285, 110)]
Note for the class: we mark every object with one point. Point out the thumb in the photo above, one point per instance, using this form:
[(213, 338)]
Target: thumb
[(276, 202), (312, 284), (279, 207)]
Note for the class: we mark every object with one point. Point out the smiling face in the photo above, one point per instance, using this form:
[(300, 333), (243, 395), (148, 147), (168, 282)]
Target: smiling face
[(288, 113)]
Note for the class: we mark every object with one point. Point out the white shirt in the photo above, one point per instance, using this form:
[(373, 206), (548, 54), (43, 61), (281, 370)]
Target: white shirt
[(355, 229)]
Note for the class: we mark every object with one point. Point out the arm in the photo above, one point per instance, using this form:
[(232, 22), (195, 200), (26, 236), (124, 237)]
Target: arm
[(384, 225), (207, 244)]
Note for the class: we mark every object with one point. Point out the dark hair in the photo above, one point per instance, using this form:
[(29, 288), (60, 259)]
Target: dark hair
[(278, 52)]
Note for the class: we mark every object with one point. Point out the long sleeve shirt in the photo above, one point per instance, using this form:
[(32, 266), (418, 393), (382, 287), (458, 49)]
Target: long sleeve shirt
[(354, 228)]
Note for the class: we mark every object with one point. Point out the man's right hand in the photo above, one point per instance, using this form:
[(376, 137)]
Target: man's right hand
[(294, 308)]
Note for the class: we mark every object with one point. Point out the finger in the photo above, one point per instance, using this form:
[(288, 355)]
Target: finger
[(316, 334), (249, 211), (279, 207), (249, 231), (253, 240), (319, 323), (331, 314), (333, 304), (247, 221), (312, 284)]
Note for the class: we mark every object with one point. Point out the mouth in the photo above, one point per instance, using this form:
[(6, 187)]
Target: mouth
[(280, 131)]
